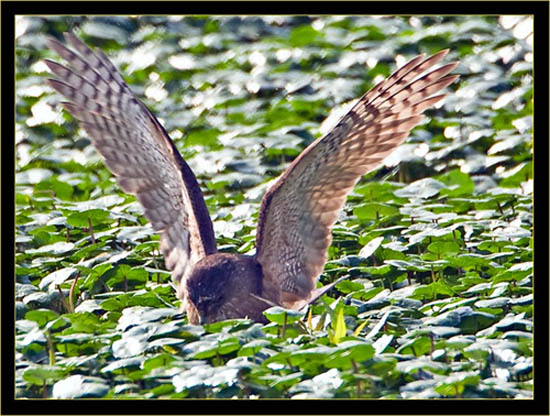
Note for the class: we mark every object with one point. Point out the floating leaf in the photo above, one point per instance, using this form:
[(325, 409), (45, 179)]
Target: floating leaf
[(423, 188), (280, 315), (374, 211), (444, 247), (57, 277), (41, 316), (41, 374), (78, 386), (84, 218), (371, 247)]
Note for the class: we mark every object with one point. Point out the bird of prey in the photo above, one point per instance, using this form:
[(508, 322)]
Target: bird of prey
[(296, 214)]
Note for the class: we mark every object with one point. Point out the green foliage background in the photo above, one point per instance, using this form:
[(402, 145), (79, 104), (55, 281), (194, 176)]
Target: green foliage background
[(437, 242)]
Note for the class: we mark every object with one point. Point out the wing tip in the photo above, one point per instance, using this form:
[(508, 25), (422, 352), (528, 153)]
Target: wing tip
[(450, 66), (440, 55), (53, 66), (56, 84), (435, 58)]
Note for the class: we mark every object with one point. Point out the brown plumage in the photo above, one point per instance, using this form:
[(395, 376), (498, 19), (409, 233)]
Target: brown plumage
[(296, 214)]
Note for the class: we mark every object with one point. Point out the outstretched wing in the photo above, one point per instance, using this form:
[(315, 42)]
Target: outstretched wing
[(137, 150), (298, 211)]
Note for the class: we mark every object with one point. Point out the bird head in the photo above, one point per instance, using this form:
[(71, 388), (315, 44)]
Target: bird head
[(219, 287)]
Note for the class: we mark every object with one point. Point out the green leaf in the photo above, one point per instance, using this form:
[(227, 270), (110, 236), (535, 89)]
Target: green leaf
[(79, 386), (40, 374), (253, 347), (443, 247), (303, 35), (281, 315), (349, 352), (207, 138), (348, 286), (417, 347), (458, 183), (423, 188), (374, 211), (371, 247), (83, 219), (41, 316)]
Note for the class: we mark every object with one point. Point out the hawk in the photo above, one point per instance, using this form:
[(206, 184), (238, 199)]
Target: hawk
[(296, 214)]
